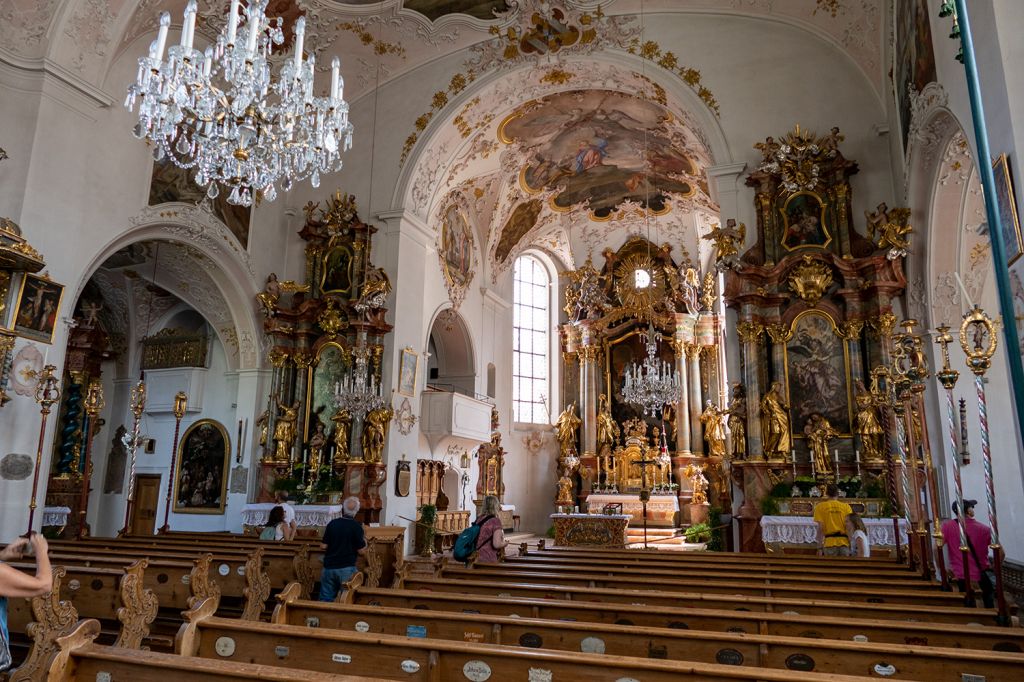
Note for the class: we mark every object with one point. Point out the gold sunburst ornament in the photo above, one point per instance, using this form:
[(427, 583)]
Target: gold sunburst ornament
[(638, 284)]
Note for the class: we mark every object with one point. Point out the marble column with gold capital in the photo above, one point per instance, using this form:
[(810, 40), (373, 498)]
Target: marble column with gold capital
[(750, 333), (278, 358), (780, 335), (683, 444), (302, 359), (851, 333), (588, 353), (696, 430)]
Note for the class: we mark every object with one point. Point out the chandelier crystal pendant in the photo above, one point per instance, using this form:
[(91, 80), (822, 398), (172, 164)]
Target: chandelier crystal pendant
[(652, 384), (358, 391), (236, 114)]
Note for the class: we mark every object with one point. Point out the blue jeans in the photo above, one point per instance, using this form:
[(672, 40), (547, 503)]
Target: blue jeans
[(332, 579)]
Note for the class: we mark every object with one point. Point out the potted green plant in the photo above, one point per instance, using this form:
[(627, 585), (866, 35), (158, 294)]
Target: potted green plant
[(427, 528)]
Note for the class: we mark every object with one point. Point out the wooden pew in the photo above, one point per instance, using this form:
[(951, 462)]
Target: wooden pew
[(820, 655), (786, 624), (79, 658), (769, 603), (244, 585), (421, 659), (709, 561), (767, 586), (281, 564), (543, 548)]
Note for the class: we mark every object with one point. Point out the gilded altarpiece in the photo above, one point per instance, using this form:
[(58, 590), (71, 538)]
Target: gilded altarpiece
[(813, 299), (622, 451), (317, 329)]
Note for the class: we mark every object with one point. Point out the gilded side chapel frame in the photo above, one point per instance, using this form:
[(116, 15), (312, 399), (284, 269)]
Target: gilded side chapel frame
[(192, 451), (797, 433)]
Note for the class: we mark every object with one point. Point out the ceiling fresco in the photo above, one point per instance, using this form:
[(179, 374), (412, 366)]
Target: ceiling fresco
[(435, 9), (601, 148)]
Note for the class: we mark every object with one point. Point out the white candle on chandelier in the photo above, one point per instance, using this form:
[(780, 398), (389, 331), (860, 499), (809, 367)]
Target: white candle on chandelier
[(300, 37), (335, 77), (254, 31), (189, 27), (161, 36), (232, 22), (208, 62)]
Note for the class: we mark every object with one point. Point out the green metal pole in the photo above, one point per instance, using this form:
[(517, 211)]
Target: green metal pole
[(995, 227)]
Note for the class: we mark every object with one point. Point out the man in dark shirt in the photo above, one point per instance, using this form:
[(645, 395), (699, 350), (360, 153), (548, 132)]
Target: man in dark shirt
[(344, 542)]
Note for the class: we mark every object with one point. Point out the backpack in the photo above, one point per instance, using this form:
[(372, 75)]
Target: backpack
[(466, 543), (269, 533)]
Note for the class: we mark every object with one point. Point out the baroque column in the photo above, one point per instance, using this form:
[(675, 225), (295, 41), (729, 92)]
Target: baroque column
[(302, 359), (780, 336), (683, 442), (749, 333), (588, 353), (696, 432), (851, 332)]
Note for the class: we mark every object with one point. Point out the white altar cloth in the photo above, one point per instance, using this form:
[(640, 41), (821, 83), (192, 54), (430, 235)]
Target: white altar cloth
[(55, 516), (314, 515), (801, 530)]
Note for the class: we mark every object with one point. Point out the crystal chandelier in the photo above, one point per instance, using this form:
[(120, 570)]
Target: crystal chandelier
[(653, 384), (358, 391), (232, 114)]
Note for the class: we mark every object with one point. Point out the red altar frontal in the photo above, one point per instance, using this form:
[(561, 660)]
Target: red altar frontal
[(662, 510)]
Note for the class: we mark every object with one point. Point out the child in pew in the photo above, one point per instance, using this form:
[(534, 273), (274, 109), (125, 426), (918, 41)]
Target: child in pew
[(277, 528), (857, 532), (14, 583)]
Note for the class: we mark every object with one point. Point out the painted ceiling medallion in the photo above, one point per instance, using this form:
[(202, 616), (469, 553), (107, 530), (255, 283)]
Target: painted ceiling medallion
[(455, 248), (601, 148)]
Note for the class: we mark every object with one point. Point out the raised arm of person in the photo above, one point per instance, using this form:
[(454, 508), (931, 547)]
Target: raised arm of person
[(14, 583)]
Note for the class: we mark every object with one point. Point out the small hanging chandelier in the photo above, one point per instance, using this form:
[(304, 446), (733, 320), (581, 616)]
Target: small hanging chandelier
[(359, 391), (232, 115), (652, 384)]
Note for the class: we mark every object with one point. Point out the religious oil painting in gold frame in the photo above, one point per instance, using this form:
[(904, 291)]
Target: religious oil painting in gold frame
[(456, 247), (36, 314), (200, 475), (336, 271), (1006, 204), (408, 371), (324, 373), (803, 222), (817, 372)]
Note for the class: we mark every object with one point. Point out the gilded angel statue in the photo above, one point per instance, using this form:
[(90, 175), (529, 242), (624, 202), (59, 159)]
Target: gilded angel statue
[(728, 241)]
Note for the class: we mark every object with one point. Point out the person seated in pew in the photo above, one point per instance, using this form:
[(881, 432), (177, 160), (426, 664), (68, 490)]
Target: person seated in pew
[(830, 516), (344, 541), (14, 583), (277, 528), (491, 539), (857, 532), (978, 537), (281, 497)]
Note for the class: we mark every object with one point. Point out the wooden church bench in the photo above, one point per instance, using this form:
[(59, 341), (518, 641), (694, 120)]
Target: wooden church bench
[(769, 587), (673, 644), (640, 554), (791, 624), (771, 603), (435, 660), (79, 658)]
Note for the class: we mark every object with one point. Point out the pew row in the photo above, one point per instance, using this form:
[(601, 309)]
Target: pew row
[(434, 660), (79, 658), (788, 624), (750, 585), (655, 597), (765, 651), (543, 549)]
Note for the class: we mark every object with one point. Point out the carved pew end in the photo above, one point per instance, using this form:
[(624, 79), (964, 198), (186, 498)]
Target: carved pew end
[(285, 598)]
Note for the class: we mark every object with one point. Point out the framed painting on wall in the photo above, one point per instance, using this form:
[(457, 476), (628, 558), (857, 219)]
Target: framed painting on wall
[(38, 305), (408, 371), (200, 476), (1006, 205)]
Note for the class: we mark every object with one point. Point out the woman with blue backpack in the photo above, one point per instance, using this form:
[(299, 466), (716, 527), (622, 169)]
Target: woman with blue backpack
[(485, 536)]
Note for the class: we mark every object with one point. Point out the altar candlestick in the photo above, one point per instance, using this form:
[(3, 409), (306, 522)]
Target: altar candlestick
[(856, 456), (835, 454), (793, 456)]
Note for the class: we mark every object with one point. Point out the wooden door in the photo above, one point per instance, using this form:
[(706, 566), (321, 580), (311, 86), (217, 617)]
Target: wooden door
[(147, 499)]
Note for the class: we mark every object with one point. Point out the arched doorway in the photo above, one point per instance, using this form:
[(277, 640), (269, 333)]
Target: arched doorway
[(452, 365)]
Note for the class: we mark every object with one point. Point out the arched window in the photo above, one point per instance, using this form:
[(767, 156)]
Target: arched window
[(531, 320)]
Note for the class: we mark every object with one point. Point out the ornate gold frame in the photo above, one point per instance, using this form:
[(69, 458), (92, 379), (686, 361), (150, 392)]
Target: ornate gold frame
[(39, 337), (323, 268), (1001, 166), (415, 373), (310, 376), (225, 468), (846, 370), (452, 282), (785, 221)]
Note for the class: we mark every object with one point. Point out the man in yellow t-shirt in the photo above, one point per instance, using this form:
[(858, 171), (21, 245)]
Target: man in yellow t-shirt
[(830, 516)]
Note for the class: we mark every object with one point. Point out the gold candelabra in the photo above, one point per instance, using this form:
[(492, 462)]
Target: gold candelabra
[(47, 393), (180, 405)]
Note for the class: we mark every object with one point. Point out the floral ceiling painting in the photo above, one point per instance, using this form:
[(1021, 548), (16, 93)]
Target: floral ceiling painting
[(601, 148), (435, 9)]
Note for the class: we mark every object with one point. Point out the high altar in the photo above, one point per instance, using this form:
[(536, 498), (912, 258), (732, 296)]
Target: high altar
[(611, 452), (323, 330)]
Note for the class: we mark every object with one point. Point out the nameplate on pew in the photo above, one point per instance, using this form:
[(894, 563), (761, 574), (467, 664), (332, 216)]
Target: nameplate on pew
[(476, 671), (418, 631), (341, 658)]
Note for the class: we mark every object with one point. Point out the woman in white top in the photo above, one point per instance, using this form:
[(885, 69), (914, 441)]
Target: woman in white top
[(858, 534)]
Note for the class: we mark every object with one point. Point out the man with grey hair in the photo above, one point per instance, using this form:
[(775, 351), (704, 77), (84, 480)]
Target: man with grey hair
[(344, 542)]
